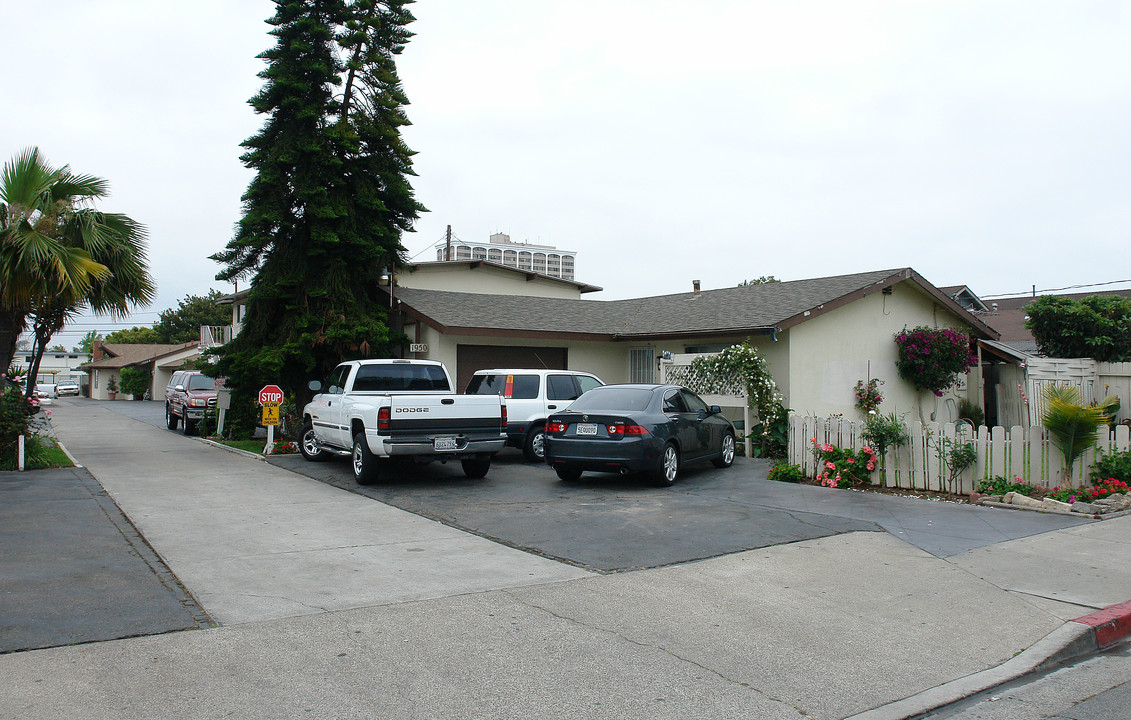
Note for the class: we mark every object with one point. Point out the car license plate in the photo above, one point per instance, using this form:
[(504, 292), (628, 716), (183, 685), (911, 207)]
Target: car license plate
[(444, 443), (586, 429)]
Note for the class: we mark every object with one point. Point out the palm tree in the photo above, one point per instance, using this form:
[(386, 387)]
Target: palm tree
[(1072, 425), (58, 255)]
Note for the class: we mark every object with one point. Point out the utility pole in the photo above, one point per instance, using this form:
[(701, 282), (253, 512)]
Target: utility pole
[(448, 248)]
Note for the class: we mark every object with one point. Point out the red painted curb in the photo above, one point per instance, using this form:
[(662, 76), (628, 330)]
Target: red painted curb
[(1110, 625)]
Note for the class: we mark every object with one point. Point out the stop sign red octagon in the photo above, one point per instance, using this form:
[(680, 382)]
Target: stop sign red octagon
[(270, 395)]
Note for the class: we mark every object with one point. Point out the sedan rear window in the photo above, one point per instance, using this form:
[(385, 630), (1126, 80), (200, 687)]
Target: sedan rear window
[(613, 398)]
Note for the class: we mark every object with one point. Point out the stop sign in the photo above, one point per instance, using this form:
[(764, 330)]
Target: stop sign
[(270, 395)]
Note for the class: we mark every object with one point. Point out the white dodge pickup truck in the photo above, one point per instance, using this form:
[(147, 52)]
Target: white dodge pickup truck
[(380, 409)]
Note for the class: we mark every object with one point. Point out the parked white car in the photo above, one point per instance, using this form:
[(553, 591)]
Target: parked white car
[(532, 395), (47, 390), (67, 387)]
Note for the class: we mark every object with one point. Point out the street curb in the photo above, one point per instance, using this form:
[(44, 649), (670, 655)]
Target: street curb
[(237, 451), (1075, 638)]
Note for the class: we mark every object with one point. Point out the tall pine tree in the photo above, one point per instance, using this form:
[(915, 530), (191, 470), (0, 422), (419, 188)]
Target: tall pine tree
[(325, 212)]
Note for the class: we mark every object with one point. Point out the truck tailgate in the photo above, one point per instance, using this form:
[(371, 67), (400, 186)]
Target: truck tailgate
[(423, 416)]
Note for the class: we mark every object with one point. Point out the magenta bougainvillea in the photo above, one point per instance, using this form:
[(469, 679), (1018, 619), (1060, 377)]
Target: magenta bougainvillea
[(931, 358)]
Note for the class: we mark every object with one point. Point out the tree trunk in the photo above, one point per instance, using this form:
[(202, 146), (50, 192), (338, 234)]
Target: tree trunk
[(11, 325)]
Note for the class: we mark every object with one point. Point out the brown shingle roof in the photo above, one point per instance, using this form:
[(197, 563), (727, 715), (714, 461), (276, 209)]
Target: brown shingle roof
[(120, 355), (745, 309)]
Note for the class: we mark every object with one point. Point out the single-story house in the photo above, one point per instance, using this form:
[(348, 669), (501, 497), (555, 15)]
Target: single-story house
[(820, 336), (108, 360)]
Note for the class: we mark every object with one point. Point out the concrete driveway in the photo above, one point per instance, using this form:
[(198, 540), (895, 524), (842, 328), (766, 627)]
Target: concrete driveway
[(609, 522)]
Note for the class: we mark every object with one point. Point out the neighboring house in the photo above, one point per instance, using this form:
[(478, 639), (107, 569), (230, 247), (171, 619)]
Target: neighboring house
[(1009, 317), (57, 367), (108, 360), (820, 336)]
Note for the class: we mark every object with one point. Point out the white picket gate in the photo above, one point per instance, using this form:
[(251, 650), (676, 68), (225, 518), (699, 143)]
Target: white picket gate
[(1016, 452)]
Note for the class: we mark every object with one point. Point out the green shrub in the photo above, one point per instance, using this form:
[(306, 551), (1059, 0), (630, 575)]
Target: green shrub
[(15, 412), (1113, 465), (970, 412), (1001, 486), (784, 472), (135, 381)]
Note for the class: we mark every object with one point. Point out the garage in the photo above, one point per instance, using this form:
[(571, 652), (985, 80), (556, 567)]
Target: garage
[(470, 358)]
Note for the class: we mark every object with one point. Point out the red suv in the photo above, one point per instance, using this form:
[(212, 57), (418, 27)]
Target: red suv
[(187, 396)]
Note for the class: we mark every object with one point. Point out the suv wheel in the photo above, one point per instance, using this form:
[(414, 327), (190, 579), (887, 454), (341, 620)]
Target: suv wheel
[(535, 446), (170, 418)]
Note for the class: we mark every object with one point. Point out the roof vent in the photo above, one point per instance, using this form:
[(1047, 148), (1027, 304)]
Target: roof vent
[(695, 285)]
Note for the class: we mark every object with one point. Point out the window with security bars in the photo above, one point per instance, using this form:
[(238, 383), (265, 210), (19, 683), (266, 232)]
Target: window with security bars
[(641, 362)]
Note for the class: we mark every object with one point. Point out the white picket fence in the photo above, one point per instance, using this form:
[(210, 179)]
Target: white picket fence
[(1016, 452)]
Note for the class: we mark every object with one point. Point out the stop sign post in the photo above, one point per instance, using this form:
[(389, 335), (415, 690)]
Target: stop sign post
[(270, 397)]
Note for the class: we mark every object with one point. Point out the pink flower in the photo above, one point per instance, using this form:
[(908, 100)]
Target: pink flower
[(868, 450), (828, 448), (871, 466), (830, 466), (813, 440), (851, 461)]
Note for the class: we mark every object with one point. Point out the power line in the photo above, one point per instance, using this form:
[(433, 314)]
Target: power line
[(1049, 290)]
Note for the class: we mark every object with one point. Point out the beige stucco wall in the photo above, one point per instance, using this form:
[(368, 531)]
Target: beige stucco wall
[(828, 354), (484, 279), (608, 361)]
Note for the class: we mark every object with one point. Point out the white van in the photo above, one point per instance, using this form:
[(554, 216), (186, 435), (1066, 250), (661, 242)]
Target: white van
[(531, 396)]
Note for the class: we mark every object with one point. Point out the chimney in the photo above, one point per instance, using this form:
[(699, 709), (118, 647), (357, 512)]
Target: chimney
[(695, 285), (96, 351)]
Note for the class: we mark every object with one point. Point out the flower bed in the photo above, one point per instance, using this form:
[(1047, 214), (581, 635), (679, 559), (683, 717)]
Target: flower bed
[(1105, 496)]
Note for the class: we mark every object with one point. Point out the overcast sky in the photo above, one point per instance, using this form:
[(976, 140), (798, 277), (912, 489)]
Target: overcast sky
[(980, 143)]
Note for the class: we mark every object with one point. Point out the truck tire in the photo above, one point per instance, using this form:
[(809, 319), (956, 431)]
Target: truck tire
[(308, 444), (534, 449), (365, 463), (170, 418), (476, 468)]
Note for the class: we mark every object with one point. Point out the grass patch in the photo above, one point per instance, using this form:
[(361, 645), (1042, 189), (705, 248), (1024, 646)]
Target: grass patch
[(254, 446), (40, 453)]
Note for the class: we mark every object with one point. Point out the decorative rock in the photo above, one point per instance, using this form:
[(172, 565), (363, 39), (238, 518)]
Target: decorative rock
[(1086, 508), (1056, 505), (1024, 501)]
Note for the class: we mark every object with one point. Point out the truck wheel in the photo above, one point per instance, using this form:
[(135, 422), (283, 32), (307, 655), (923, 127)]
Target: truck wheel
[(476, 468), (365, 469), (187, 427), (308, 444), (535, 446), (170, 419)]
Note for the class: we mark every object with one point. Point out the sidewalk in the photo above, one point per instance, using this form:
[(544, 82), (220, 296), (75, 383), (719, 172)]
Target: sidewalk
[(332, 605)]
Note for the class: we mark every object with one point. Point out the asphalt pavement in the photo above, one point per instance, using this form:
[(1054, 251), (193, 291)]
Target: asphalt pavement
[(307, 598)]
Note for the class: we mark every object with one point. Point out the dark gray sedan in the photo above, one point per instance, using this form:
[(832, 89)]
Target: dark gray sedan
[(652, 429)]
